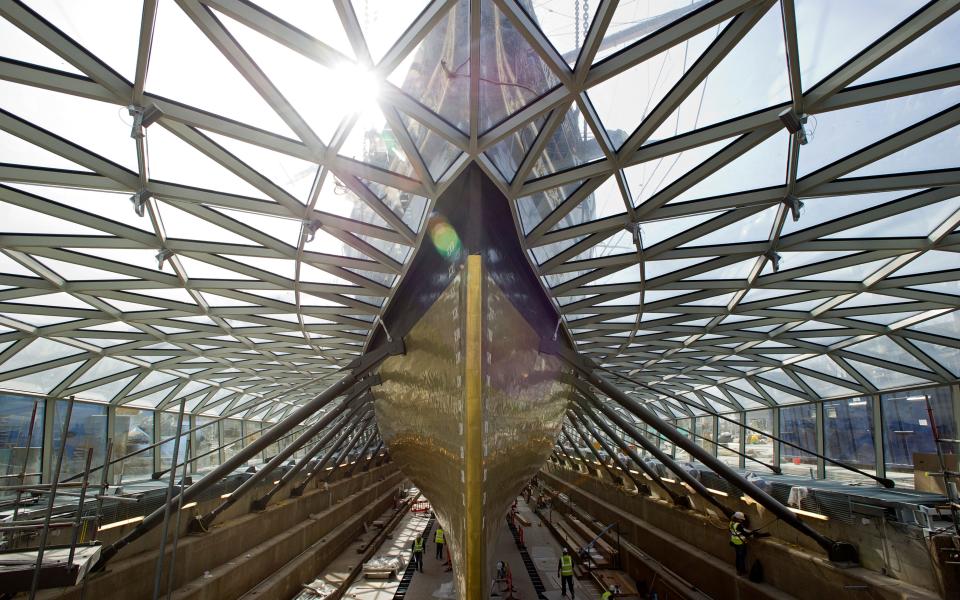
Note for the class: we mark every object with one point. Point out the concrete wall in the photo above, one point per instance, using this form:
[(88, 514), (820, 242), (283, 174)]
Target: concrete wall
[(244, 548), (695, 545)]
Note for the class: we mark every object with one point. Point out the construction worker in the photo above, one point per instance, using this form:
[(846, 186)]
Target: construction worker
[(418, 553), (439, 540), (738, 539), (565, 572), (613, 592)]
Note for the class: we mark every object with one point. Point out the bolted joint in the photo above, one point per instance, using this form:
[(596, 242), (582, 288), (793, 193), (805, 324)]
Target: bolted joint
[(683, 502), (843, 553), (259, 505), (297, 491), (199, 524)]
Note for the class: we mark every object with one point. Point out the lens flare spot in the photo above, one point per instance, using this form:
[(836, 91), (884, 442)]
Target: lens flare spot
[(444, 237)]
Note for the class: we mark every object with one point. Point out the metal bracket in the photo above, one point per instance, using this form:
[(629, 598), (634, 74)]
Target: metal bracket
[(143, 117), (795, 204), (312, 227), (163, 256), (139, 201), (794, 122)]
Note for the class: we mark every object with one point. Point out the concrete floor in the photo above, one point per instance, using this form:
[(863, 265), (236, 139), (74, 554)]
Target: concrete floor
[(437, 583)]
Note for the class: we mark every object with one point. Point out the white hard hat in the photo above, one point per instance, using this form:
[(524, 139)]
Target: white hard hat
[(565, 551), (739, 516)]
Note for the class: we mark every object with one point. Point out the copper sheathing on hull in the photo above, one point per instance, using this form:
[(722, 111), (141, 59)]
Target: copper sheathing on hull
[(470, 413)]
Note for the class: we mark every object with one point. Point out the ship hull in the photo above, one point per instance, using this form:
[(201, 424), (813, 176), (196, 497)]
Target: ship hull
[(470, 413)]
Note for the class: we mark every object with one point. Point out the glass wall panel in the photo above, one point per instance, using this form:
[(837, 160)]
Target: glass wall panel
[(15, 414), (168, 429), (705, 434), (232, 432), (759, 445), (87, 429), (133, 430), (206, 440), (683, 427), (252, 429), (798, 424), (728, 440), (848, 437), (907, 429)]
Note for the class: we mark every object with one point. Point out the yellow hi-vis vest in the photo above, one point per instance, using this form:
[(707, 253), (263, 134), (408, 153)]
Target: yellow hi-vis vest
[(566, 565), (606, 595), (736, 534), (439, 538), (418, 545)]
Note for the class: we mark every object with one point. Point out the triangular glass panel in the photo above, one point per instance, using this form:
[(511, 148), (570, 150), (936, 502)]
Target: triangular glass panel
[(384, 21), (534, 209), (18, 45), (318, 19), (764, 165), (830, 33), (105, 392), (929, 51), (570, 146), (39, 351), (730, 91), (937, 152), (658, 268), (737, 270), (754, 228), (565, 32), (885, 378), (816, 211), (886, 318), (285, 230), (836, 134), (84, 23), (871, 299), (57, 299), (175, 161), (96, 126), (180, 224), (437, 153), (606, 201), (886, 349), (294, 175), (919, 222), (647, 179), (929, 262), (211, 83), (437, 72), (411, 208), (634, 21), (17, 151), (655, 232), (851, 273), (198, 269), (508, 153), (826, 389), (947, 356), (373, 141), (625, 100), (947, 325), (511, 79), (42, 382), (74, 272), (104, 204), (17, 219)]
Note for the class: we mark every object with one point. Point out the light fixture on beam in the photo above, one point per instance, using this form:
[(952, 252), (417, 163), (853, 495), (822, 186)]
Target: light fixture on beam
[(143, 117), (794, 122), (796, 205), (139, 201)]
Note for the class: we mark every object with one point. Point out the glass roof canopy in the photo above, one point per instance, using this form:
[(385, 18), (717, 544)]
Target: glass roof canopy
[(214, 199)]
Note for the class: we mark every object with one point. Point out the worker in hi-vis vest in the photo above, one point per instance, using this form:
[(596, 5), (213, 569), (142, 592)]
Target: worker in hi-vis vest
[(611, 593), (418, 553), (439, 540), (565, 572), (738, 539)]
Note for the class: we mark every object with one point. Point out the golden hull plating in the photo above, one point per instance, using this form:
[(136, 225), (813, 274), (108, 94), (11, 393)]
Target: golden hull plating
[(470, 413)]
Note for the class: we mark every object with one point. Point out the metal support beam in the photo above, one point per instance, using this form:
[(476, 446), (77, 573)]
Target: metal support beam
[(361, 367)]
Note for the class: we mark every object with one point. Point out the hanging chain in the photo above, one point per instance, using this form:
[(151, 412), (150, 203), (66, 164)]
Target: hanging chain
[(576, 23)]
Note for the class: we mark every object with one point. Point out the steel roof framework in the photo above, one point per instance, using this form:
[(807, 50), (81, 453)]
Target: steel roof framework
[(253, 341)]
